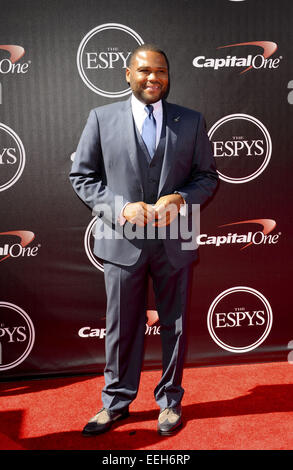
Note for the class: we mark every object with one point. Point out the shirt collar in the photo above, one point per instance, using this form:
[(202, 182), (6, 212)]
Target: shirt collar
[(138, 106)]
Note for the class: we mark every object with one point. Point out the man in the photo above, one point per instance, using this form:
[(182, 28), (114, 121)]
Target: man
[(142, 165)]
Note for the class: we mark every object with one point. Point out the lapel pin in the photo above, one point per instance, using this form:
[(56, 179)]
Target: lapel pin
[(176, 119)]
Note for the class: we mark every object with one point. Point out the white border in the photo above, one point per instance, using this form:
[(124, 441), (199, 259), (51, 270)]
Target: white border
[(89, 35), (87, 246), (22, 157), (31, 332), (267, 136), (256, 343)]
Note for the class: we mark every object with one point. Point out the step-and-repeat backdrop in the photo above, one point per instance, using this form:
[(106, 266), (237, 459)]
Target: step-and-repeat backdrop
[(231, 60)]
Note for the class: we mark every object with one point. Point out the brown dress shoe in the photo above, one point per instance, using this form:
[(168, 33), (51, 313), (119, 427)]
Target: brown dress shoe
[(103, 421), (170, 421)]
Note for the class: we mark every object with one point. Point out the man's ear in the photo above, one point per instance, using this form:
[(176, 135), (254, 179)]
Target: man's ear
[(127, 75)]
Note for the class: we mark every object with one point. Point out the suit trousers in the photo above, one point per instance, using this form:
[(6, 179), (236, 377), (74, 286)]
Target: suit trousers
[(127, 289)]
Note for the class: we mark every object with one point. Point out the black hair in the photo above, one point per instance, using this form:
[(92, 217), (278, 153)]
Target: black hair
[(148, 47)]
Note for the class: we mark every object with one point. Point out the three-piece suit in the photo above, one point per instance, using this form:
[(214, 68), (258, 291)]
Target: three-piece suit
[(111, 168)]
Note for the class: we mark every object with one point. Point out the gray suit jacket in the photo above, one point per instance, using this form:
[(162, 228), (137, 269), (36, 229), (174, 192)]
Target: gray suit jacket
[(106, 175)]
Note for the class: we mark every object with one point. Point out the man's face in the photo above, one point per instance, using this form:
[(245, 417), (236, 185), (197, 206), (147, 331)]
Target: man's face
[(148, 76)]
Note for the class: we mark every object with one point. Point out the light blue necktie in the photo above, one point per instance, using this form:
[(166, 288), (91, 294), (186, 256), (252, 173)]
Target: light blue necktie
[(149, 130)]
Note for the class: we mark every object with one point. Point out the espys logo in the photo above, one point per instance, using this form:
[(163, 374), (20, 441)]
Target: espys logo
[(258, 237), (242, 147), (14, 244), (12, 157), (290, 94), (259, 61), (11, 64), (17, 335), (102, 58), (88, 245), (239, 319)]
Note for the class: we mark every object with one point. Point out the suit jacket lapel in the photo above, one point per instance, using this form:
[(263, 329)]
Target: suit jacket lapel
[(172, 129), (130, 138)]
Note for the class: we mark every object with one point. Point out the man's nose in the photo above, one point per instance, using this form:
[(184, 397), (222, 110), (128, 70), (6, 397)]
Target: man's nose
[(152, 76)]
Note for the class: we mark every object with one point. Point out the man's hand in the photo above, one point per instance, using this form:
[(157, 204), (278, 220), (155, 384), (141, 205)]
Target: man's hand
[(167, 208), (139, 213)]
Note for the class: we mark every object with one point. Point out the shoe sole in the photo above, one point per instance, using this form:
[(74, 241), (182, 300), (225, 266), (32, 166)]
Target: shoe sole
[(171, 432), (102, 431)]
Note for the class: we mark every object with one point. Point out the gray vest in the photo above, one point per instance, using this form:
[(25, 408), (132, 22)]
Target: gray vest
[(150, 168), (150, 171)]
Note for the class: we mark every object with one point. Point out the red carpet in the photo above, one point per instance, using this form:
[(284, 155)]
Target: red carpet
[(242, 407)]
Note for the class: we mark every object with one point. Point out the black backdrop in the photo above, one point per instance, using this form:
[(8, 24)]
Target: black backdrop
[(52, 303)]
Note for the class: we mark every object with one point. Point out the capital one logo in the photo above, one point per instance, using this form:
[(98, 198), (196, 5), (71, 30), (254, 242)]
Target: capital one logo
[(239, 319), (258, 61), (242, 147), (15, 244), (102, 58), (244, 239), (152, 327), (12, 157), (11, 64), (17, 335)]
